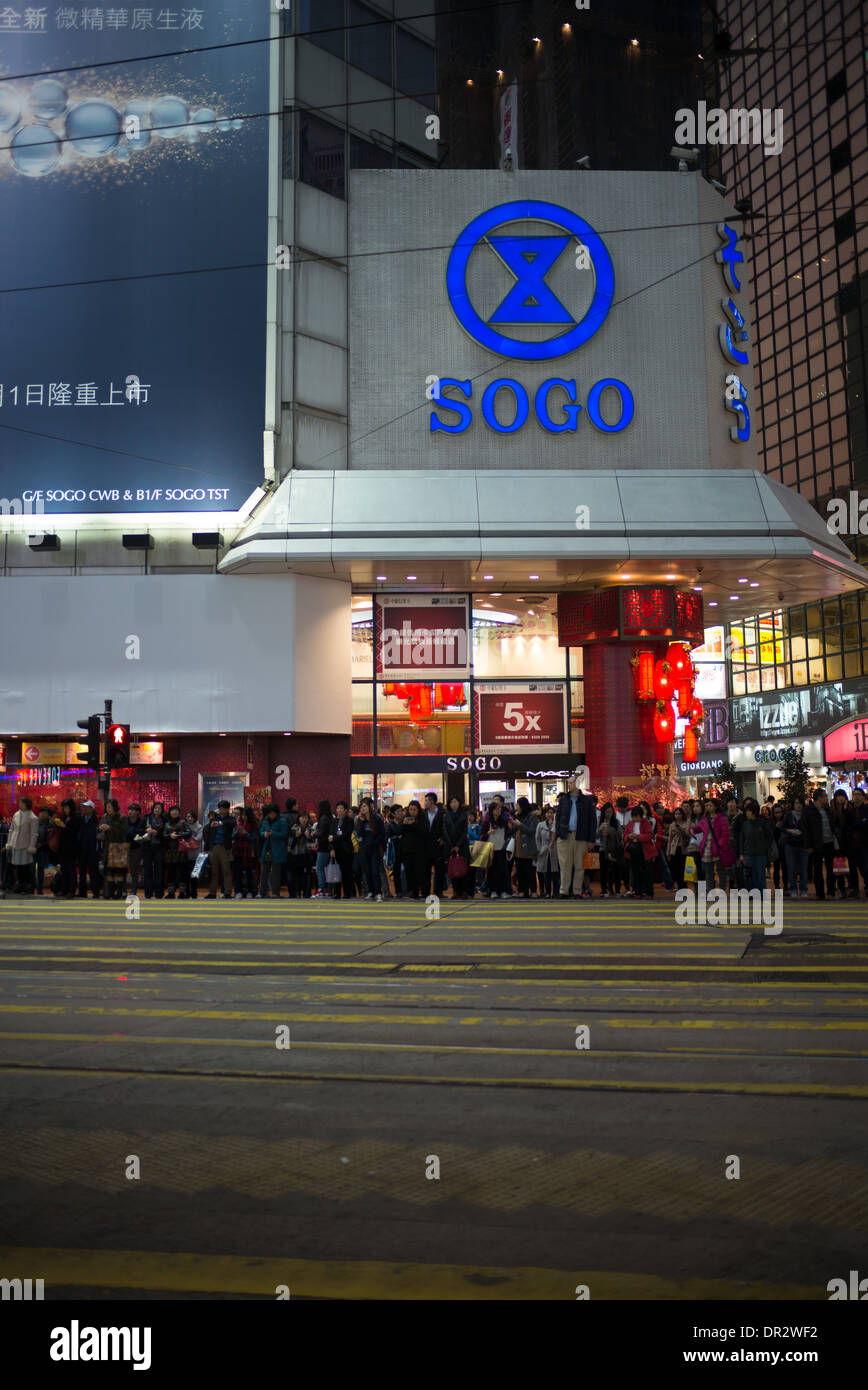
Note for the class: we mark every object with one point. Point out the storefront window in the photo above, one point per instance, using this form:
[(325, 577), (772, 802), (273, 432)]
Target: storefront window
[(362, 741), (515, 636), (362, 645), (427, 719)]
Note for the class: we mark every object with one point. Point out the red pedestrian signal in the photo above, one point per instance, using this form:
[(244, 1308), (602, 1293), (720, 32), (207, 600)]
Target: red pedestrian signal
[(117, 740)]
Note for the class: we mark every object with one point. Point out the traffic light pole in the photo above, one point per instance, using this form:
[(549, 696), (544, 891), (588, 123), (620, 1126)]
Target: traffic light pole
[(105, 780)]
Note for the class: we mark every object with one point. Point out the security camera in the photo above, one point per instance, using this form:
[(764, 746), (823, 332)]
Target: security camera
[(584, 162), (684, 152)]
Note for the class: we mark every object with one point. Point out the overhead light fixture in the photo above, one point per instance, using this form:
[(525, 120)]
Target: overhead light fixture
[(409, 576), (207, 540), (488, 576), (381, 578), (499, 72), (566, 28), (754, 584), (742, 581), (733, 598), (634, 43), (697, 588), (44, 541), (138, 542), (669, 576), (535, 39), (469, 82), (533, 576), (713, 603)]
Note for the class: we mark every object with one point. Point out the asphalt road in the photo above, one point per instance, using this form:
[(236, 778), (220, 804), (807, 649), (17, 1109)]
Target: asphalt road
[(419, 1046)]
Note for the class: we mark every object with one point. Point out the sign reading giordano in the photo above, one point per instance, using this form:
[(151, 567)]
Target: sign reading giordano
[(530, 305)]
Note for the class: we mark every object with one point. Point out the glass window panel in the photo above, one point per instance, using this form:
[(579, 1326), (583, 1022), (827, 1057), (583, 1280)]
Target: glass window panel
[(850, 635), (370, 42), (833, 639), (321, 155), (812, 616), (833, 668), (815, 670), (323, 15), (365, 155), (515, 638), (853, 664), (415, 65)]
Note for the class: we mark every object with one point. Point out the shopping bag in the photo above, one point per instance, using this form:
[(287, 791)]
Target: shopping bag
[(840, 864), (201, 861), (333, 872), (481, 854), (592, 860), (510, 848), (691, 870)]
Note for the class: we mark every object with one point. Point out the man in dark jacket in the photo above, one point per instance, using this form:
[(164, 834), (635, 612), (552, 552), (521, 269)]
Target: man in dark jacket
[(820, 840), (217, 841), (88, 857), (432, 820), (576, 828)]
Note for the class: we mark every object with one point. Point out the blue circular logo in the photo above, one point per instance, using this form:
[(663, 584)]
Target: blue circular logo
[(530, 302)]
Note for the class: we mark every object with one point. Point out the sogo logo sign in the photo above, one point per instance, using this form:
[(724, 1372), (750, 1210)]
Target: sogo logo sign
[(531, 303)]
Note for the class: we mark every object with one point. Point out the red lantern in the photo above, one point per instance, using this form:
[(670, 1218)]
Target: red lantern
[(664, 722), (664, 686), (440, 700), (425, 700), (643, 675), (691, 745), (389, 688), (401, 690), (685, 697), (679, 659), (454, 693), (696, 713)]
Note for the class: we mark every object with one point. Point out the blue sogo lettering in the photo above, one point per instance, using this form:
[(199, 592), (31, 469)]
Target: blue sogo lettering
[(571, 411), (522, 405), (571, 408)]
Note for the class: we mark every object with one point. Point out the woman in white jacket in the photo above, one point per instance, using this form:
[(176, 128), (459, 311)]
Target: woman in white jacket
[(21, 845)]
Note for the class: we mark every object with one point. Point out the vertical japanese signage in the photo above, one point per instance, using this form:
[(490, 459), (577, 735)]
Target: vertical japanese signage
[(423, 635), (133, 201), (732, 333)]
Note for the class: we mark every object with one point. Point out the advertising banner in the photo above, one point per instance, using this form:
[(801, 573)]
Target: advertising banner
[(509, 128), (423, 636), (215, 787), (521, 716), (713, 742), (796, 713), (133, 202)]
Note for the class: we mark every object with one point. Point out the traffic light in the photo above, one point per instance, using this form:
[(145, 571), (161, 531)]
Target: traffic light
[(91, 757), (117, 745)]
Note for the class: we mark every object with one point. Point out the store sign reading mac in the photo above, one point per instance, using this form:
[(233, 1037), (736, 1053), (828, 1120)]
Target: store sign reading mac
[(531, 303)]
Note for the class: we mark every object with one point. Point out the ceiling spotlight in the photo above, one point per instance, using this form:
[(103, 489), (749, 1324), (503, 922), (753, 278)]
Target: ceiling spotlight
[(533, 576), (566, 28), (488, 576), (409, 576), (469, 82), (499, 72), (535, 39), (634, 43), (381, 578)]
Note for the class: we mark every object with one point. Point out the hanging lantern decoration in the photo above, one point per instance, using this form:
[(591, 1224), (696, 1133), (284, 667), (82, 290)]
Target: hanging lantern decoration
[(415, 708), (425, 700), (691, 745), (664, 686), (696, 713), (389, 688), (454, 693), (664, 722), (643, 674), (685, 697), (400, 690), (440, 700), (678, 658)]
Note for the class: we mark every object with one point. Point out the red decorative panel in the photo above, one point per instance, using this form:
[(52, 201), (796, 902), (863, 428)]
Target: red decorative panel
[(689, 615), (587, 617), (646, 612)]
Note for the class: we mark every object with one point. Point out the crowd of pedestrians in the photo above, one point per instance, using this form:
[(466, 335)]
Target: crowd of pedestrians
[(557, 851)]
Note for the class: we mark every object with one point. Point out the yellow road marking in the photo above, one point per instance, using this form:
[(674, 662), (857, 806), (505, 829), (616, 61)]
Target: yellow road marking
[(170, 1272)]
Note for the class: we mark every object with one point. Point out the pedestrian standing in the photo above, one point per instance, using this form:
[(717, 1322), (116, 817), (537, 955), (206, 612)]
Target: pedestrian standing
[(21, 845), (526, 821), (576, 828), (88, 850), (273, 836), (113, 831), (414, 851), (217, 841)]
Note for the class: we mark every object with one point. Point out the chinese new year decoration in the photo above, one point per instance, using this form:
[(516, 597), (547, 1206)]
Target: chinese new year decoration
[(666, 679)]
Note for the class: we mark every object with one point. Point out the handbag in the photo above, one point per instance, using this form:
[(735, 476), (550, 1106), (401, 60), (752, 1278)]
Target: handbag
[(840, 864), (691, 870), (510, 847), (333, 872), (592, 860), (52, 839), (481, 854), (457, 865), (117, 855), (189, 844)]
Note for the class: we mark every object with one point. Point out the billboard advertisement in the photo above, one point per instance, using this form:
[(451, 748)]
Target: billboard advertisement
[(133, 202), (423, 635), (520, 716), (796, 713)]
